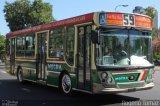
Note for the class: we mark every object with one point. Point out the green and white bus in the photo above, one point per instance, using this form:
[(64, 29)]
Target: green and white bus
[(99, 52)]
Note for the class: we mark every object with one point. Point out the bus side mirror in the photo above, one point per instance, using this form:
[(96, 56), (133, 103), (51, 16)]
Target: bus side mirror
[(94, 36)]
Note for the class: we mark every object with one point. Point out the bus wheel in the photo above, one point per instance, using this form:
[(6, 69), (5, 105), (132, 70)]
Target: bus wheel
[(66, 86), (20, 75)]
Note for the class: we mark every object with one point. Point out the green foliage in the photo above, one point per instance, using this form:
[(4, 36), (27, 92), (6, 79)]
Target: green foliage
[(154, 33), (156, 55), (2, 47), (23, 14), (150, 11), (40, 13), (16, 14)]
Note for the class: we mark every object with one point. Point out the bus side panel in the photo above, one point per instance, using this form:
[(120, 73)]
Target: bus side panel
[(54, 70), (52, 78), (74, 78), (95, 76), (29, 69)]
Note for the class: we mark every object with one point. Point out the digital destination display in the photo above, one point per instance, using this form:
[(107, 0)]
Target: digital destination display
[(114, 19), (121, 19), (143, 21)]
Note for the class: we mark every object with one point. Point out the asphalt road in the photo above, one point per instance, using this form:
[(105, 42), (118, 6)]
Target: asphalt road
[(30, 94)]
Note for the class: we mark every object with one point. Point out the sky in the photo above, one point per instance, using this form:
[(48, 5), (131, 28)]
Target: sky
[(63, 9)]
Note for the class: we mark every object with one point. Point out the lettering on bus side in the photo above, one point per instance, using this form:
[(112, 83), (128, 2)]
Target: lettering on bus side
[(54, 67)]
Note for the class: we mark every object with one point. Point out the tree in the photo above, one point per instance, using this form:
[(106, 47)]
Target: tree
[(40, 13), (16, 14), (2, 47), (23, 14), (154, 33), (150, 11)]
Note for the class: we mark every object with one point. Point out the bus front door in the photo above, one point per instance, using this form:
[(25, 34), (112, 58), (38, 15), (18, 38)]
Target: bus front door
[(41, 56), (84, 58)]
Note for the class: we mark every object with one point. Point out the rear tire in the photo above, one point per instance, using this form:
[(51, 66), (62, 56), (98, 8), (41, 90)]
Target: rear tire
[(20, 75), (65, 84)]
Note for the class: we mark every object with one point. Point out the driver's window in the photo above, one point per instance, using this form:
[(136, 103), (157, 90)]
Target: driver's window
[(114, 48), (107, 48)]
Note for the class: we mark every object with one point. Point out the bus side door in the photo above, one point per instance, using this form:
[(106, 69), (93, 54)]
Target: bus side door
[(12, 56), (41, 55), (84, 57)]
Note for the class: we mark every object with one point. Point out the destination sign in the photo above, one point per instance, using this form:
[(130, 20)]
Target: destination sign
[(114, 19), (143, 21), (121, 19)]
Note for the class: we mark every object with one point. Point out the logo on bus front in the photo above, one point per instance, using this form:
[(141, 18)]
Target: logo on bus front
[(126, 77), (121, 78)]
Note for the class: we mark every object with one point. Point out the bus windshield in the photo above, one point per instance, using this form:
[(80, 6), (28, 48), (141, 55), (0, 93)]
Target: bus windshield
[(123, 47)]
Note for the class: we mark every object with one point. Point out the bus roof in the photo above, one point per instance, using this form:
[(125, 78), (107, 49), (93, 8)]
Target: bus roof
[(65, 22), (81, 19)]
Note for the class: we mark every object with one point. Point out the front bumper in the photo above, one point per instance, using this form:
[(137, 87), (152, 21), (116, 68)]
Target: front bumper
[(116, 90)]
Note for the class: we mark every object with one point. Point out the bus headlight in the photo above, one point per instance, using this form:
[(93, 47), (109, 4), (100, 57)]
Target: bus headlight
[(150, 76), (109, 80), (104, 75)]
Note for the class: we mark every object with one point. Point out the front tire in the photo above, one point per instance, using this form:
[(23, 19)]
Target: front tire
[(20, 75), (65, 85)]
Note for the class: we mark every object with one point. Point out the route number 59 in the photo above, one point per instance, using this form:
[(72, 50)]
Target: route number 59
[(128, 19)]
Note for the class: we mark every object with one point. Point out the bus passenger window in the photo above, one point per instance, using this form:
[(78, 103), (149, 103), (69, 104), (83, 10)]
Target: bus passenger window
[(20, 46), (29, 43), (56, 43), (70, 45)]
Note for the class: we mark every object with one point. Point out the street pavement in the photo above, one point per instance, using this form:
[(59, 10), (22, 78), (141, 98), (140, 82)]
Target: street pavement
[(31, 94), (152, 94)]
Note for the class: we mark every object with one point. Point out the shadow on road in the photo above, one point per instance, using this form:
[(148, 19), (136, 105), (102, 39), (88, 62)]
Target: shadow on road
[(101, 99), (29, 94)]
